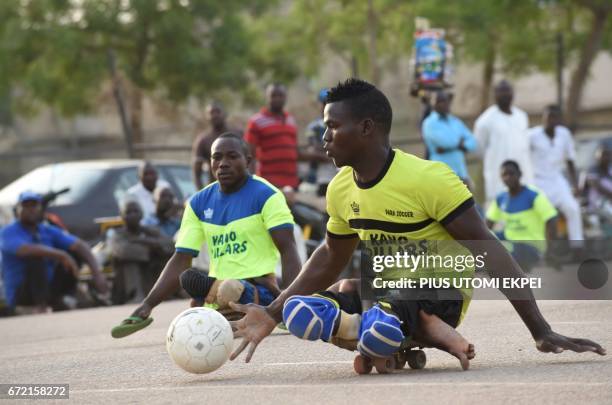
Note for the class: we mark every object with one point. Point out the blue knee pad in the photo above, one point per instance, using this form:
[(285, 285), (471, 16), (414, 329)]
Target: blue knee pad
[(310, 317), (380, 334)]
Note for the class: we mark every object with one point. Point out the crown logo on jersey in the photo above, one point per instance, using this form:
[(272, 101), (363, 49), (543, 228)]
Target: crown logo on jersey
[(355, 207), (208, 213)]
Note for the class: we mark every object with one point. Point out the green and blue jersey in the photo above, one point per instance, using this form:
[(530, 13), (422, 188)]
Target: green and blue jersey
[(236, 228), (524, 215)]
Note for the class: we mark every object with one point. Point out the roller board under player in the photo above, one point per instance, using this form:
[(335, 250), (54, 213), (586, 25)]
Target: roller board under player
[(387, 336)]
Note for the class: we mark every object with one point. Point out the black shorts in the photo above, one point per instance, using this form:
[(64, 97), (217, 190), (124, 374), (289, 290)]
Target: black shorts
[(349, 303)]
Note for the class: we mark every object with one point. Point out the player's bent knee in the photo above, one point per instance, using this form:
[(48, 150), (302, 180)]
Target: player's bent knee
[(310, 317), (380, 334), (229, 291), (197, 284)]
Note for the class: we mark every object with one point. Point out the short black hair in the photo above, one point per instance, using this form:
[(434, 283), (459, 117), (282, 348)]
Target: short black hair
[(246, 149), (364, 100), (512, 163)]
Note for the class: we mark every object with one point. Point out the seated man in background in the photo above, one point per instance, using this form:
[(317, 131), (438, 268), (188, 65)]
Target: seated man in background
[(164, 218), (527, 215), (599, 189), (138, 254), (31, 252), (247, 227)]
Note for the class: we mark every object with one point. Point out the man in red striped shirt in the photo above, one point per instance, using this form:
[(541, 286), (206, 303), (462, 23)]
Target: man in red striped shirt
[(272, 134)]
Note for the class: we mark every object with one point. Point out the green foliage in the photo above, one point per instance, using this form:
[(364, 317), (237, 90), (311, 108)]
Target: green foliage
[(313, 30), (56, 51)]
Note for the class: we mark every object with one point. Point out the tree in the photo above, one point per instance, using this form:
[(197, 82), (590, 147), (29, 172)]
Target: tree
[(598, 25), (366, 35), (504, 34), (62, 53)]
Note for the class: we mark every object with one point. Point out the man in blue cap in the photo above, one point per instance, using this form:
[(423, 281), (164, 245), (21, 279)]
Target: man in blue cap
[(31, 250)]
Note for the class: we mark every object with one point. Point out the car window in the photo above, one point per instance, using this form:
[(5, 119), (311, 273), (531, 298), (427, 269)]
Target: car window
[(54, 178), (125, 179), (78, 180), (38, 180), (182, 178)]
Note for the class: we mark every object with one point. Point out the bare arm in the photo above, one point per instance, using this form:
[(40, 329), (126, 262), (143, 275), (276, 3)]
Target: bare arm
[(253, 162), (571, 169), (196, 170), (42, 251), (290, 261), (551, 229), (320, 272), (166, 284), (83, 251), (469, 229)]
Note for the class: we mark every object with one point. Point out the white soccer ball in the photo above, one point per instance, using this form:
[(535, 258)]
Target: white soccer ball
[(199, 340)]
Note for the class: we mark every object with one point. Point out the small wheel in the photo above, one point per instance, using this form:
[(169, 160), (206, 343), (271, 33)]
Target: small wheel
[(400, 361), (416, 359), (362, 364), (385, 365)]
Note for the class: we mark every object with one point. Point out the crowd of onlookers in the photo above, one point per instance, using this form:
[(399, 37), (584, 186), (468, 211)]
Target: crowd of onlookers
[(529, 177)]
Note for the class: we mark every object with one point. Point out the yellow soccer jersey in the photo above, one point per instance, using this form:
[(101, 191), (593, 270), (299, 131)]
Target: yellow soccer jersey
[(412, 199), (405, 207)]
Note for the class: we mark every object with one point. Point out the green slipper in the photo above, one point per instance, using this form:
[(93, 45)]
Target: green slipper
[(130, 325)]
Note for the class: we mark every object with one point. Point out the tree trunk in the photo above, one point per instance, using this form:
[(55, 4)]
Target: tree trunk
[(587, 55), (372, 46), (487, 78), (119, 100), (136, 120)]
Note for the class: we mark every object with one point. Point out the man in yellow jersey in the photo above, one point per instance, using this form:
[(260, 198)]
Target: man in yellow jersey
[(385, 193), (247, 227)]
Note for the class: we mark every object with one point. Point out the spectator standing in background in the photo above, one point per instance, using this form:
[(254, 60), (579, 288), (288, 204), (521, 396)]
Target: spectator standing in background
[(447, 138), (216, 117), (272, 136), (552, 150), (501, 132), (143, 191)]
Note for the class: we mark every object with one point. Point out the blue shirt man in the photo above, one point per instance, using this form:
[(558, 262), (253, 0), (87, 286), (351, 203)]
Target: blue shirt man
[(164, 217), (447, 138), (31, 247)]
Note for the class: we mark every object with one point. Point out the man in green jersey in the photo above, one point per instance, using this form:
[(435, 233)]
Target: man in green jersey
[(247, 226), (381, 193)]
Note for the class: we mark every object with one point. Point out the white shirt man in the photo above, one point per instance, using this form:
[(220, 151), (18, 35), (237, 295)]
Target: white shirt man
[(502, 136), (145, 197), (550, 156)]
